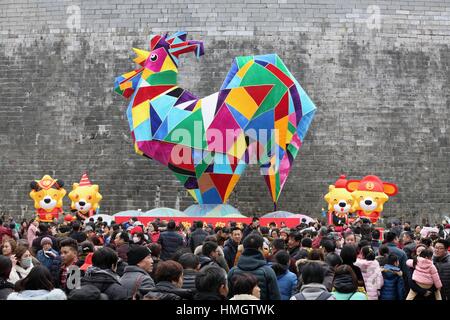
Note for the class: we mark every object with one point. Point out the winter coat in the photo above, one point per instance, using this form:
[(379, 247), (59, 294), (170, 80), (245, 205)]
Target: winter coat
[(31, 233), (196, 238), (136, 280), (287, 284), (208, 296), (170, 242), (18, 273), (393, 287), (425, 272), (443, 267), (349, 296), (55, 294), (107, 282), (46, 260), (229, 251), (373, 279), (189, 279), (6, 288), (36, 244), (165, 290), (244, 297), (409, 248), (252, 261), (401, 255), (87, 292), (313, 291)]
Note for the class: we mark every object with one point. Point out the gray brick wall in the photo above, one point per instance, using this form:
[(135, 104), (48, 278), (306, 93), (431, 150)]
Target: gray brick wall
[(381, 85)]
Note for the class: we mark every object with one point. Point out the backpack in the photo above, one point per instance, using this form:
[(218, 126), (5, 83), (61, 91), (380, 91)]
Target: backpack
[(323, 296)]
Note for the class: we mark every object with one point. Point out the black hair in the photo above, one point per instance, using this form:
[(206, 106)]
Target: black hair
[(189, 261), (348, 254), (210, 279), (390, 236), (69, 242), (243, 283), (368, 253), (307, 243), (333, 259), (443, 242), (124, 236), (5, 267), (281, 264), (296, 236), (171, 225), (253, 241), (328, 245), (426, 241), (264, 230), (208, 247), (376, 234), (155, 248), (278, 244), (87, 246), (115, 227), (199, 224), (76, 226), (43, 227), (180, 251), (426, 253), (104, 258), (383, 250), (312, 272), (391, 259), (234, 229), (39, 278)]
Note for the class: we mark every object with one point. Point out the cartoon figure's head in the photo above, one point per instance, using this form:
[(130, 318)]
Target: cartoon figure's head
[(48, 194), (85, 196), (370, 194), (339, 199), (161, 59)]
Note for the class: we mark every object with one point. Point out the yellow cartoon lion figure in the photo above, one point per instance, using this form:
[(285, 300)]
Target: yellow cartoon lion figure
[(85, 198), (370, 194), (48, 194), (340, 202)]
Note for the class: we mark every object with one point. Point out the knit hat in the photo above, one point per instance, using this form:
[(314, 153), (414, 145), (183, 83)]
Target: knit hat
[(136, 254), (46, 240)]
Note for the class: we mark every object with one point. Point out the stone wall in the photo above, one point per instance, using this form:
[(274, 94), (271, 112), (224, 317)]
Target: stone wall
[(378, 72)]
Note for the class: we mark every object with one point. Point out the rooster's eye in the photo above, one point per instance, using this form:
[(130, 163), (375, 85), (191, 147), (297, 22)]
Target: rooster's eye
[(154, 57)]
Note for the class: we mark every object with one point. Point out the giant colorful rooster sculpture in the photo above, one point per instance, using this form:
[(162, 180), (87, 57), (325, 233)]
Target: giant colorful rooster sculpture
[(260, 115)]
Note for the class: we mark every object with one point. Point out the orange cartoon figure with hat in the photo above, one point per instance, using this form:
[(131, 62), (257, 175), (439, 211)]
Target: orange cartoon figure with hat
[(85, 198), (48, 194), (369, 196), (340, 203)]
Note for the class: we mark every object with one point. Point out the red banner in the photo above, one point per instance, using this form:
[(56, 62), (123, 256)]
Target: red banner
[(216, 221)]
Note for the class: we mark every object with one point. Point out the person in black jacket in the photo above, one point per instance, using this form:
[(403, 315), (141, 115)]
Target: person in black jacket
[(211, 284), (103, 276), (44, 233), (170, 241), (197, 236), (169, 277), (209, 254), (5, 268), (252, 227), (231, 246), (252, 261), (441, 260), (191, 266)]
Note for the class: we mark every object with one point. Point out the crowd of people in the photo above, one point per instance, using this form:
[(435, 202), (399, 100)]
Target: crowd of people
[(94, 260)]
